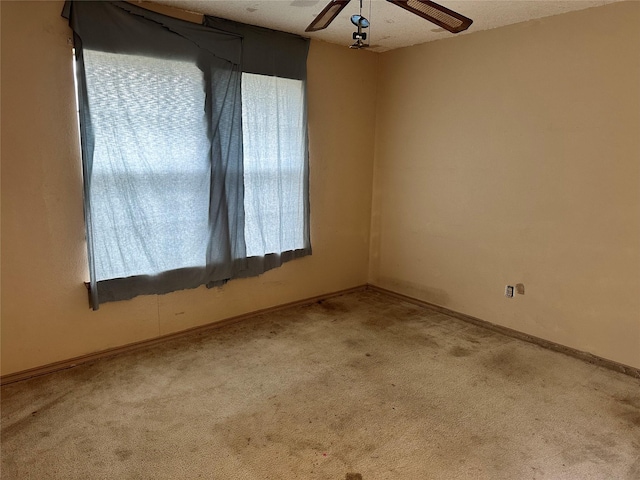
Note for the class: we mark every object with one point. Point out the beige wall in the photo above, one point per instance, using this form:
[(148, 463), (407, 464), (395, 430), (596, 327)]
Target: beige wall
[(513, 155), (45, 314)]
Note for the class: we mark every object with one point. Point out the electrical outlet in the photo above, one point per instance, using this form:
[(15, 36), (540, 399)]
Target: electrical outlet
[(508, 291)]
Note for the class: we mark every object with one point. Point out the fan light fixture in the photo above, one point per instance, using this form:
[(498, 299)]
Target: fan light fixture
[(359, 21), (362, 23)]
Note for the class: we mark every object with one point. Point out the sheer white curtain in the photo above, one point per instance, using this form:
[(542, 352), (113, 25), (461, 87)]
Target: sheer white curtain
[(151, 167), (274, 136)]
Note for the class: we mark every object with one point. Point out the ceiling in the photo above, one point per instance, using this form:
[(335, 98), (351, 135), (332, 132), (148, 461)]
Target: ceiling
[(391, 26)]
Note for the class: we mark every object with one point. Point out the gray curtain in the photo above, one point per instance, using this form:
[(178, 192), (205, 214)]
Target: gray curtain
[(118, 232), (160, 108), (269, 59), (265, 51)]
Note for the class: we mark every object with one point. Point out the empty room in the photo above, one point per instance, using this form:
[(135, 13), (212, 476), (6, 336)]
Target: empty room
[(320, 239)]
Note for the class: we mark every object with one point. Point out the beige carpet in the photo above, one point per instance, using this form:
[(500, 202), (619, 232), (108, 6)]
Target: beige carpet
[(361, 386)]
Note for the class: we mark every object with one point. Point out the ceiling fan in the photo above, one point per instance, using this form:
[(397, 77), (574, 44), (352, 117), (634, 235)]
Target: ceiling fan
[(441, 16)]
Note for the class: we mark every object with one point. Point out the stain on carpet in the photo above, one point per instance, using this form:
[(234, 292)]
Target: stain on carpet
[(333, 306), (460, 352), (510, 364), (28, 421), (123, 454)]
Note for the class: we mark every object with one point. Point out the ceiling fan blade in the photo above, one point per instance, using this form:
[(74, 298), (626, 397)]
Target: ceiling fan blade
[(326, 16), (442, 16)]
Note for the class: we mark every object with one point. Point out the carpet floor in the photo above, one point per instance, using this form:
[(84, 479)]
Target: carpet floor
[(357, 387)]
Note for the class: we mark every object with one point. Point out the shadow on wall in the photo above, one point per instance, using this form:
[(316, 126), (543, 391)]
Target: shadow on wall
[(433, 295)]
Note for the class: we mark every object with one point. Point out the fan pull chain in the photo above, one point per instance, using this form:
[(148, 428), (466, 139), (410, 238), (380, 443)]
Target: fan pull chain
[(369, 42)]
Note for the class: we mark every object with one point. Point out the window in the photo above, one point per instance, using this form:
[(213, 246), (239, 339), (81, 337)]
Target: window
[(195, 162), (150, 178), (274, 149)]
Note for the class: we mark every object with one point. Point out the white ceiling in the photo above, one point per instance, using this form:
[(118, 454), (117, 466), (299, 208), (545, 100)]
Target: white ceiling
[(391, 26)]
